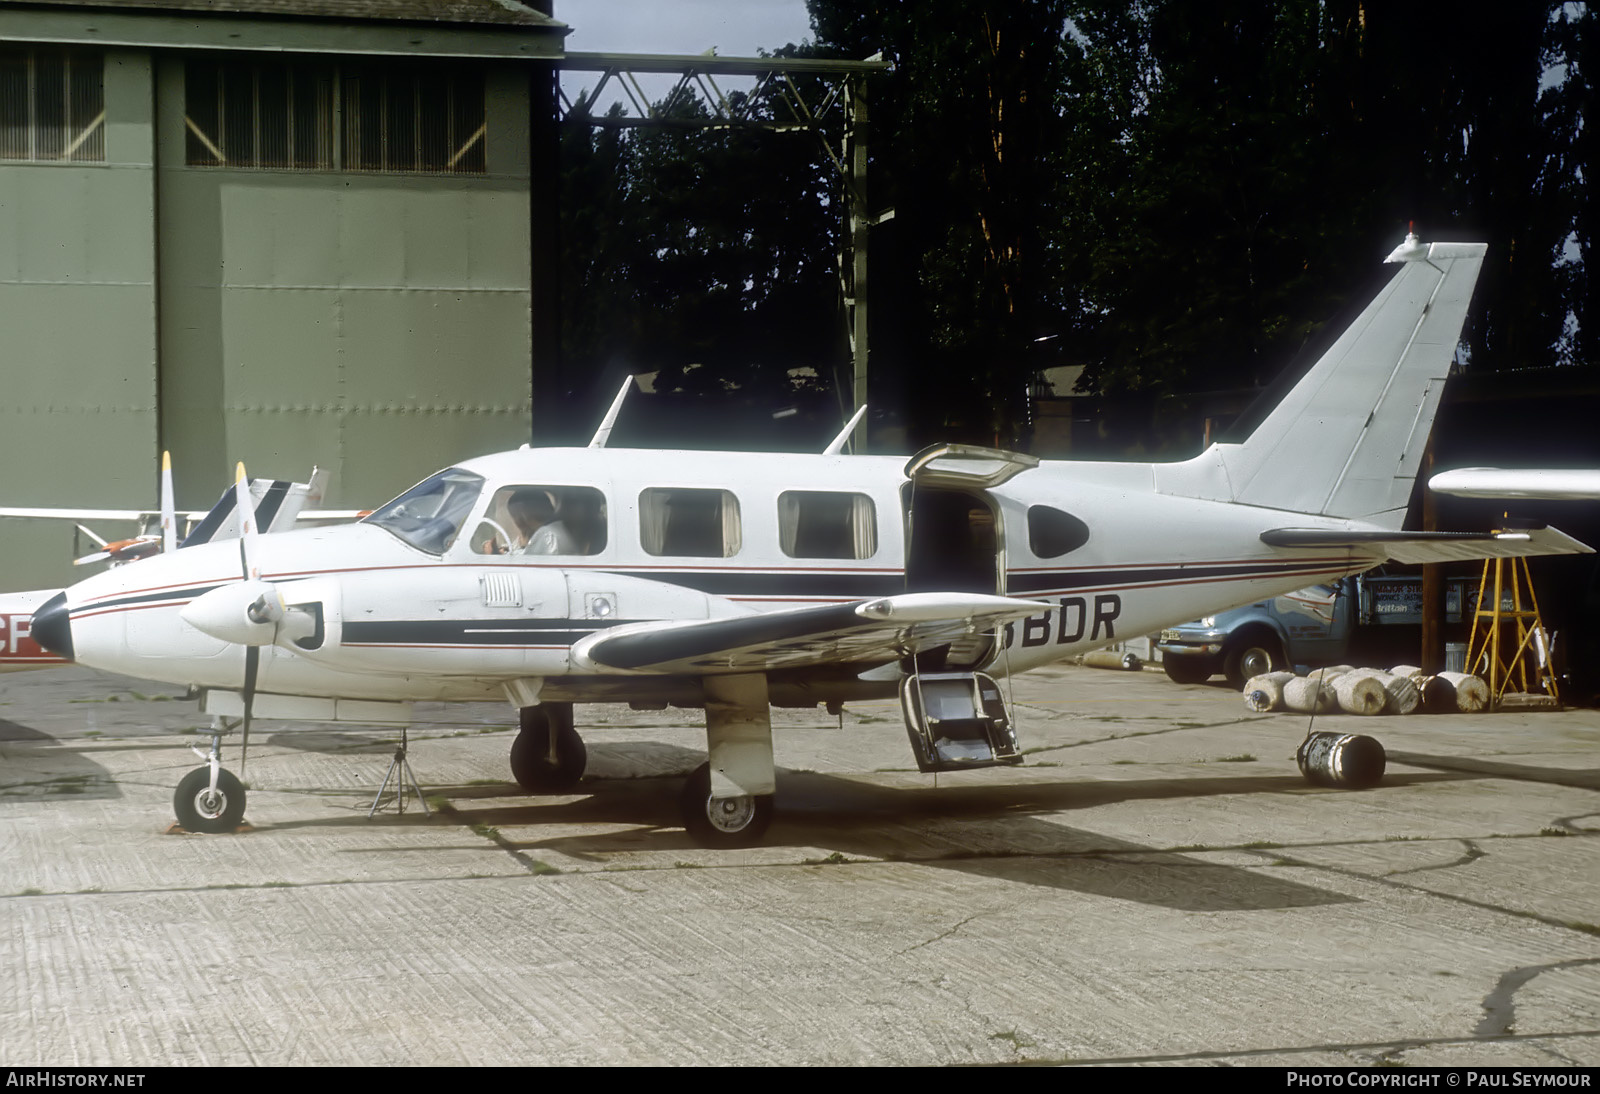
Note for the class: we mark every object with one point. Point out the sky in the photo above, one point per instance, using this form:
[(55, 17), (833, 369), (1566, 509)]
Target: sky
[(735, 27)]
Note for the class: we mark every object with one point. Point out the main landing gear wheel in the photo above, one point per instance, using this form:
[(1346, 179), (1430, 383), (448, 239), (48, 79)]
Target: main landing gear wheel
[(530, 752), (201, 809), (723, 822)]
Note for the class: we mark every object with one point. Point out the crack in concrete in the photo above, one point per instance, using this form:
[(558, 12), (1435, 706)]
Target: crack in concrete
[(1481, 905), (1473, 854), (532, 865), (942, 935), (1499, 1006), (58, 781), (1571, 823)]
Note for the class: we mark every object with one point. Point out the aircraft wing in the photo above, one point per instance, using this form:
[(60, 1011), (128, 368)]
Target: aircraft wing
[(87, 514), (872, 631), (331, 516), (1433, 546), (192, 516)]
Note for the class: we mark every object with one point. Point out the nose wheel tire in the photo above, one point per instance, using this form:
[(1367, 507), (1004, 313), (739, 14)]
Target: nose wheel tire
[(722, 822), (530, 752), (201, 809)]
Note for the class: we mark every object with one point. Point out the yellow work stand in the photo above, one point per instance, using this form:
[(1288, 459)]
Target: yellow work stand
[(1499, 654)]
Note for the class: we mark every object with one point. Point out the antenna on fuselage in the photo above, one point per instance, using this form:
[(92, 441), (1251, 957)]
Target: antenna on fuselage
[(603, 434), (836, 445), (169, 516)]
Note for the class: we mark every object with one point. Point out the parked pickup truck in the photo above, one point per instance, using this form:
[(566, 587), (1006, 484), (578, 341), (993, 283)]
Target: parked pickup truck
[(1311, 626)]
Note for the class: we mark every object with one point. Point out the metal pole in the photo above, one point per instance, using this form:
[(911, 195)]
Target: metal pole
[(856, 187), (1431, 657), (553, 420), (1495, 666)]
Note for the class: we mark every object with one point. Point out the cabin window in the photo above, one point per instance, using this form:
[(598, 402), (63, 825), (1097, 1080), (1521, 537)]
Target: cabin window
[(52, 105), (430, 514), (695, 523), (822, 524), (542, 520), (1052, 533)]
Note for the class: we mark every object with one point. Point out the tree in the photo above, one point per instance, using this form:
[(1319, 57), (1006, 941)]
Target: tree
[(963, 134), (1247, 161), (1573, 57), (703, 254), (1180, 197)]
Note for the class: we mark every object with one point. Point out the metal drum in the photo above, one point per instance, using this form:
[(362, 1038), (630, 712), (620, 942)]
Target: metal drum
[(1346, 760)]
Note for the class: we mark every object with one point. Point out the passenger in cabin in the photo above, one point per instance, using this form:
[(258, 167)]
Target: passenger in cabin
[(582, 516)]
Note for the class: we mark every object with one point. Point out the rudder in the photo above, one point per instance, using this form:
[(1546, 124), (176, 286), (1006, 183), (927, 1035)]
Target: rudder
[(1347, 440)]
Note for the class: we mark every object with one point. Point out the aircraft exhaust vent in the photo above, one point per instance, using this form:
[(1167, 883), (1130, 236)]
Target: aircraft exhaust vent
[(501, 590)]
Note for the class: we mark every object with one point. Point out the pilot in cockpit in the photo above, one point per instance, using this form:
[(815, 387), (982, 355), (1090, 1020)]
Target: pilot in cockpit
[(539, 532)]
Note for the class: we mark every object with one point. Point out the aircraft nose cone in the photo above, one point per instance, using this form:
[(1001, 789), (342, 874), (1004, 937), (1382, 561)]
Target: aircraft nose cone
[(52, 626)]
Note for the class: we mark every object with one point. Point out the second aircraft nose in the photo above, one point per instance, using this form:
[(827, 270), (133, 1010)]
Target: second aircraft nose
[(52, 626)]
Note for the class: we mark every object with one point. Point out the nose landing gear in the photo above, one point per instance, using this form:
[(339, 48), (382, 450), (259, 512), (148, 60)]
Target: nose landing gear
[(210, 798)]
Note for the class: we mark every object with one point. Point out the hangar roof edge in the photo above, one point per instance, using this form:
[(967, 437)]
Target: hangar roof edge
[(509, 13), (483, 29)]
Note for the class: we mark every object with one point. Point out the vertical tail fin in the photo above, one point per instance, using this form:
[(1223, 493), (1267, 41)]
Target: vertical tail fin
[(1347, 440)]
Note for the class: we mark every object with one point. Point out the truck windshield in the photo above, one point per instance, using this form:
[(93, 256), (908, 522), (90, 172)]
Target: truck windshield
[(430, 514)]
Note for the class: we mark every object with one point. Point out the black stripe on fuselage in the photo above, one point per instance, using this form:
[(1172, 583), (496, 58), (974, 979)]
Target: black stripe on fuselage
[(758, 583), (472, 632), (177, 596), (1066, 580)]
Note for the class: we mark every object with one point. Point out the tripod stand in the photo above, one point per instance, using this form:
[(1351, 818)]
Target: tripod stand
[(400, 771)]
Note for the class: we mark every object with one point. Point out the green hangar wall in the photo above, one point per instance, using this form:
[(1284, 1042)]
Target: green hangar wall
[(289, 240)]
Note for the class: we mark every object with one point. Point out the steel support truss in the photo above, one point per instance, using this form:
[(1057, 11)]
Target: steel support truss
[(825, 97)]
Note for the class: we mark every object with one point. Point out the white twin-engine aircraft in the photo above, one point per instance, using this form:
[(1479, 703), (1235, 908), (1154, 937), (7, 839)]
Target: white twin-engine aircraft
[(735, 581)]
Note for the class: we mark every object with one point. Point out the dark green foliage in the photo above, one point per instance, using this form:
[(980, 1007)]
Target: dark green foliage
[(1283, 147), (965, 138), (1179, 196), (1573, 49), (704, 254)]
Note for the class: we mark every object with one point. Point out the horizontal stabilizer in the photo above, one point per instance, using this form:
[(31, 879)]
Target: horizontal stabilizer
[(1554, 484), (865, 631), (1417, 547)]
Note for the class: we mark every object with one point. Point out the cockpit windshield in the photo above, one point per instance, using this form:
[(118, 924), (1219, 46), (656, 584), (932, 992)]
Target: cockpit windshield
[(430, 514)]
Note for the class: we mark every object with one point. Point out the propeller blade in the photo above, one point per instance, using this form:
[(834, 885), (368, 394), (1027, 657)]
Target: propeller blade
[(247, 553), (247, 525), (169, 517), (252, 665), (90, 533)]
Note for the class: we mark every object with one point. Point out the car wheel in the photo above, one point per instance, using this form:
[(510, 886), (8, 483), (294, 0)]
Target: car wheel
[(1255, 656), (1188, 670)]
